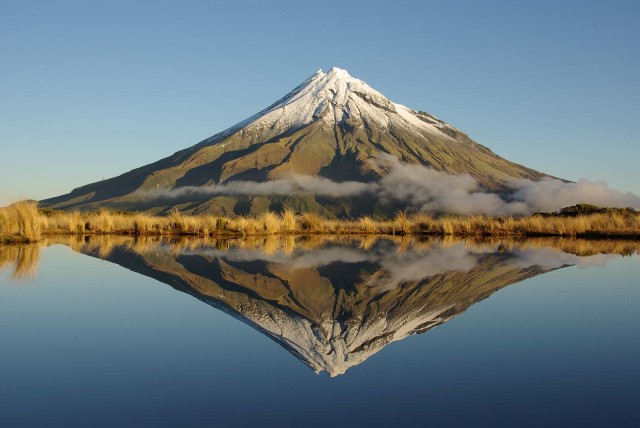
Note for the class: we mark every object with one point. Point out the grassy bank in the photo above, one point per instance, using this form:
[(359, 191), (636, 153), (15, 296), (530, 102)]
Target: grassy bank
[(24, 222)]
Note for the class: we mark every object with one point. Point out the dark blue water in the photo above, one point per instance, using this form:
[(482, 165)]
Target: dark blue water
[(86, 342)]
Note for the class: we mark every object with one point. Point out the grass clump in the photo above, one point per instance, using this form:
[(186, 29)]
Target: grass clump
[(270, 223), (22, 222), (288, 221)]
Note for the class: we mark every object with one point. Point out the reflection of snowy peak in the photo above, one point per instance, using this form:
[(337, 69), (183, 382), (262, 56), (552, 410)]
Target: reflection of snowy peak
[(334, 314), (331, 126)]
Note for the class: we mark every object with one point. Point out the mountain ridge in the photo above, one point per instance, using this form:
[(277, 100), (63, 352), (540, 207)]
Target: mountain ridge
[(331, 126)]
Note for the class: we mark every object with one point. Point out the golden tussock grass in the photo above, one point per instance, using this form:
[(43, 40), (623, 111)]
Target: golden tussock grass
[(24, 222), (288, 221)]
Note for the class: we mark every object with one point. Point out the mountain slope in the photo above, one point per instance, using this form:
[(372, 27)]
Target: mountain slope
[(329, 126)]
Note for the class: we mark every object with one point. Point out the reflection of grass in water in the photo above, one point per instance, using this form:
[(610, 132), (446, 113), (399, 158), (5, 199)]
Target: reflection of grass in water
[(367, 242), (103, 245), (23, 258), (585, 247)]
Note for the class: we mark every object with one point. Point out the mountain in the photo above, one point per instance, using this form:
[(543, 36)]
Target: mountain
[(333, 307), (332, 125)]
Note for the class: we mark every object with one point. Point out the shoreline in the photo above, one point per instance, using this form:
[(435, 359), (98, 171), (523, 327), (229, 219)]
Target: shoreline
[(24, 222), (595, 236)]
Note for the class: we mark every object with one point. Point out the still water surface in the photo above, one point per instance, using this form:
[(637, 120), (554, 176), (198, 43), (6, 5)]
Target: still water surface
[(311, 331)]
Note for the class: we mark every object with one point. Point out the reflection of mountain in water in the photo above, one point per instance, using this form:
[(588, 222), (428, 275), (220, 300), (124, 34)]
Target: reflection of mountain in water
[(334, 301), (334, 306)]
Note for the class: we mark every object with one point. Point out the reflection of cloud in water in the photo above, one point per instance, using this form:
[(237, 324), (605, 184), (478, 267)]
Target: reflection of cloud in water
[(327, 256), (415, 266), (397, 267), (547, 257), (298, 260), (237, 255)]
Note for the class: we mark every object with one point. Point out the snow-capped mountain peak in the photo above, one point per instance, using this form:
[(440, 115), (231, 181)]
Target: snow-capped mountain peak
[(334, 97)]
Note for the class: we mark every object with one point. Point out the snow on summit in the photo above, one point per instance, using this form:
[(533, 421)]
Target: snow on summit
[(333, 97)]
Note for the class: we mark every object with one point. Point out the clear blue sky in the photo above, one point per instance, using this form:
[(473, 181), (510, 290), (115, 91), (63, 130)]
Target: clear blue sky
[(92, 89)]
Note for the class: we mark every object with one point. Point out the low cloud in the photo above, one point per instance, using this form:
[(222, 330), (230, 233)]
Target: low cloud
[(424, 189), (294, 185), (432, 191), (551, 195)]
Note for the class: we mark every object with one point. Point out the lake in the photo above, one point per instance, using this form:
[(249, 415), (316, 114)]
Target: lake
[(319, 331)]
